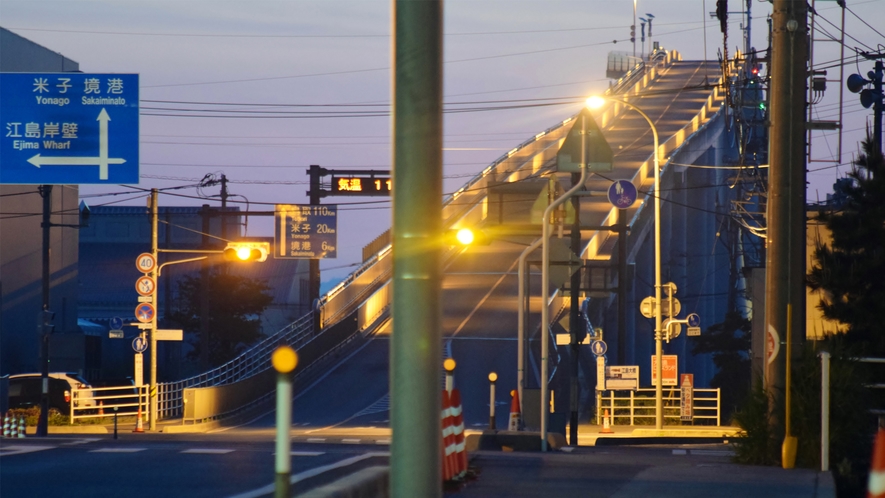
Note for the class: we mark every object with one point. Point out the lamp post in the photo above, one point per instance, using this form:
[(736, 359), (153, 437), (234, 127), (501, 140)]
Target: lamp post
[(596, 102)]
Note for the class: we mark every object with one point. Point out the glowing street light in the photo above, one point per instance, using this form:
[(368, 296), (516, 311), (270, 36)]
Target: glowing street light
[(594, 103)]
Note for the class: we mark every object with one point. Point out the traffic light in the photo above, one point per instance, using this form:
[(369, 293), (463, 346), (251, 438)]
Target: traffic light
[(722, 14), (247, 251), (467, 237), (633, 33)]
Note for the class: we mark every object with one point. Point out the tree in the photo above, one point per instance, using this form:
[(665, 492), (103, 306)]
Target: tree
[(236, 303), (729, 342), (849, 270)]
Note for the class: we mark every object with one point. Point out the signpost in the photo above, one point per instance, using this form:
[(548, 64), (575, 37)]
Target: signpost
[(144, 312), (670, 364), (139, 344), (139, 371), (69, 128), (145, 286), (622, 194), (306, 232), (116, 330), (622, 377), (145, 262), (687, 397)]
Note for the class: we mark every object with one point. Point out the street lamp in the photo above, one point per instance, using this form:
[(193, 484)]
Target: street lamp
[(594, 103)]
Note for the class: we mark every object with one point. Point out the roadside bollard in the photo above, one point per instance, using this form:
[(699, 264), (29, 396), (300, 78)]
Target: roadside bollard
[(493, 377), (115, 422), (284, 360), (449, 366)]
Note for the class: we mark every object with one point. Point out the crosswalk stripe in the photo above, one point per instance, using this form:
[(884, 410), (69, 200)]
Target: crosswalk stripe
[(208, 451), (21, 449), (316, 439), (350, 441), (117, 450)]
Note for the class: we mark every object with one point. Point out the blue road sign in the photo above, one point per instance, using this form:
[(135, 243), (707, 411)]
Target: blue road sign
[(694, 320), (305, 232), (68, 128), (116, 323), (622, 194), (139, 344), (598, 347)]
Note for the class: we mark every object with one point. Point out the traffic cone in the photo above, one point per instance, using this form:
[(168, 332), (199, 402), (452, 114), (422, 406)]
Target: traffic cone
[(138, 425), (21, 427), (6, 431), (515, 417), (876, 483), (606, 428), (100, 407)]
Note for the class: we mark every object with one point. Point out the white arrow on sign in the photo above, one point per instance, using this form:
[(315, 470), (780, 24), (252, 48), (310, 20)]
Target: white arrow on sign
[(102, 161)]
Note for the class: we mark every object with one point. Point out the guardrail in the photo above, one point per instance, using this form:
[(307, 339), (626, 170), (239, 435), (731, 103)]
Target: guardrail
[(100, 402), (640, 405)]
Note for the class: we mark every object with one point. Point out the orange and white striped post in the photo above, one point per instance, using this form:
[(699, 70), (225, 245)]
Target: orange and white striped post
[(458, 431), (448, 438), (876, 482)]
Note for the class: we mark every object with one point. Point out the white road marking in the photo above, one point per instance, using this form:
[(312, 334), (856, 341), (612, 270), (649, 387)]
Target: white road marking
[(712, 452), (316, 439), (208, 451), (680, 452), (118, 450), (351, 441), (382, 441), (307, 474), (308, 453), (82, 441), (19, 450)]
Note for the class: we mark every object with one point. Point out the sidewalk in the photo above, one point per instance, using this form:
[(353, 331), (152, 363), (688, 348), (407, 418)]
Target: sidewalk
[(636, 473)]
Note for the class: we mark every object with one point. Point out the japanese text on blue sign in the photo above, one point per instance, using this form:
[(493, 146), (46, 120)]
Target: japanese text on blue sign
[(306, 232)]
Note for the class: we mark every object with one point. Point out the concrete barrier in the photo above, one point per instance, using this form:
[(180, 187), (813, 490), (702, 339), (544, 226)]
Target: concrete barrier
[(371, 482), (512, 441)]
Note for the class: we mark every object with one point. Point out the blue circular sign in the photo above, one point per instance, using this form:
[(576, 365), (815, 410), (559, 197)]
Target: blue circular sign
[(598, 347), (622, 194), (139, 344), (116, 323), (694, 320)]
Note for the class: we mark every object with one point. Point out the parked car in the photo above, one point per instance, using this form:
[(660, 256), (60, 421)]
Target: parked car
[(25, 391)]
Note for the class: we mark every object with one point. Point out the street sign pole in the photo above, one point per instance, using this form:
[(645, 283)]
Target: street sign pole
[(153, 337)]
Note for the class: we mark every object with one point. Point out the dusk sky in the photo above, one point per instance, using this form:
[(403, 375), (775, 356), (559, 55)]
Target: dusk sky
[(283, 57)]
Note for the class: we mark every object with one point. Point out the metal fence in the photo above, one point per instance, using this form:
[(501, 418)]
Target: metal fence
[(100, 402), (628, 407)]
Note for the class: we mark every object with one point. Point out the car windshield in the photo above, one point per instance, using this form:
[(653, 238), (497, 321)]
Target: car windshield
[(78, 378)]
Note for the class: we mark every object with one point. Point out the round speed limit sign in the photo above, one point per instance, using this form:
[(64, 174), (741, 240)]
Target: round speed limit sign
[(145, 262)]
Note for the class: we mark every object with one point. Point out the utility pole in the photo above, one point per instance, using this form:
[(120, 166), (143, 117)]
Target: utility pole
[(415, 345), (154, 215), (204, 296), (313, 282), (574, 314), (43, 420), (622, 287), (785, 245)]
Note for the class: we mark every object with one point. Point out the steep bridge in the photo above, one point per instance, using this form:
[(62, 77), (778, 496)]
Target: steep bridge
[(343, 370)]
